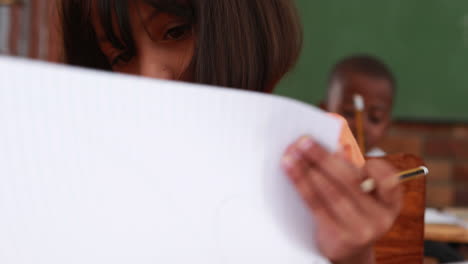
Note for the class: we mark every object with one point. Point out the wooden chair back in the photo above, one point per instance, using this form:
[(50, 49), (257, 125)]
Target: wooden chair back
[(404, 243)]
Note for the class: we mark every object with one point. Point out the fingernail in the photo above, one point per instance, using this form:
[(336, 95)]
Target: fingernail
[(341, 153), (306, 143), (287, 162)]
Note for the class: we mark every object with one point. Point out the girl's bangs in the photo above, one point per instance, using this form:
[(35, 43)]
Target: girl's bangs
[(180, 8), (114, 17)]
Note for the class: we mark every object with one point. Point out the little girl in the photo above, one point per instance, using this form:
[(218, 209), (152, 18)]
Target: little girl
[(243, 44)]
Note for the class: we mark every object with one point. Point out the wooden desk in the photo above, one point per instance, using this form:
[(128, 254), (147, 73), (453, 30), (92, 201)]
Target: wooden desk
[(446, 233), (449, 233)]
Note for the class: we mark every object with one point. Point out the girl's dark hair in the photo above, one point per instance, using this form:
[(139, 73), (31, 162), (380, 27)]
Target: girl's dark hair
[(247, 44)]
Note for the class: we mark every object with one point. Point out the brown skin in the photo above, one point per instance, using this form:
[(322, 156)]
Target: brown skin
[(165, 45), (378, 98), (348, 220)]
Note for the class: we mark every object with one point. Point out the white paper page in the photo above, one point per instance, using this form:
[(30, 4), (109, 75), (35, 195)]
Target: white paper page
[(104, 168), (434, 216)]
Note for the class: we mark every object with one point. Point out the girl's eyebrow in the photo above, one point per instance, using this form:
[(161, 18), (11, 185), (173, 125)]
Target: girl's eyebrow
[(150, 17)]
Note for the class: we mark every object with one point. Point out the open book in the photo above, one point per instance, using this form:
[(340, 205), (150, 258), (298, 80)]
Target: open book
[(98, 167)]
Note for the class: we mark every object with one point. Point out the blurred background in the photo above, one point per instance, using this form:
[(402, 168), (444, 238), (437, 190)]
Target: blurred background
[(26, 28), (425, 43)]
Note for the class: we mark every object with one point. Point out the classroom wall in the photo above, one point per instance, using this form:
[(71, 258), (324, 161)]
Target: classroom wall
[(425, 43), (444, 147)]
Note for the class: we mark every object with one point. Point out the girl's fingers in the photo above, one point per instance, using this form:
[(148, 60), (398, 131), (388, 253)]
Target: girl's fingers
[(387, 183), (333, 200), (333, 164), (337, 241), (296, 168), (325, 177), (294, 164), (330, 237), (343, 174), (348, 220), (349, 178)]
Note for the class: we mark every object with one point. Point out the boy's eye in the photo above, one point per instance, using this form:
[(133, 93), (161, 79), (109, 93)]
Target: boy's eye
[(178, 32), (348, 114), (375, 120)]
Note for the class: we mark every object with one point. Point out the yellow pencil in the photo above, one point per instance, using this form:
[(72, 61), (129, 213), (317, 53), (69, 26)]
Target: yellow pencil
[(359, 112), (368, 185)]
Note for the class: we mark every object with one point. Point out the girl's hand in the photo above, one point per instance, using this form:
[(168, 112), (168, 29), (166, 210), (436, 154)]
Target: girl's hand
[(348, 221)]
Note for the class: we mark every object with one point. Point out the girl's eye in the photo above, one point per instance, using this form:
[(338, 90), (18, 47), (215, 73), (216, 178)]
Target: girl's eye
[(178, 32), (122, 58)]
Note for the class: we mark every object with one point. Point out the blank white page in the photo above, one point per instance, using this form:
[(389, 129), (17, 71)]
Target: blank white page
[(99, 168)]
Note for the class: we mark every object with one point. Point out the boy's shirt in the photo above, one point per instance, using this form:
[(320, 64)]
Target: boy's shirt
[(376, 153)]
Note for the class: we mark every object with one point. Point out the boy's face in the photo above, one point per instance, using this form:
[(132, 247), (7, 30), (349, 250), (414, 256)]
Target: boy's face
[(378, 99)]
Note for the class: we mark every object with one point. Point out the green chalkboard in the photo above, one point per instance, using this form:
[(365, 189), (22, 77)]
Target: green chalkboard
[(425, 42)]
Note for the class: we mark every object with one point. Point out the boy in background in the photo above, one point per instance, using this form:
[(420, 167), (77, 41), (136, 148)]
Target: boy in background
[(371, 79)]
